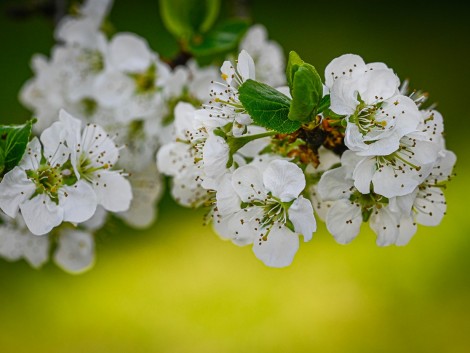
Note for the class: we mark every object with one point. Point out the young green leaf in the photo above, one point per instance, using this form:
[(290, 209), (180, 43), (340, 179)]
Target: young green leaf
[(13, 142), (223, 38), (2, 161), (292, 66), (184, 18), (324, 104), (307, 91), (267, 106)]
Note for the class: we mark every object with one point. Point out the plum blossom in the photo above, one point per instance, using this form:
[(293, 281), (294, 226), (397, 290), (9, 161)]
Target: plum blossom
[(264, 207), (45, 194), (377, 116), (93, 154)]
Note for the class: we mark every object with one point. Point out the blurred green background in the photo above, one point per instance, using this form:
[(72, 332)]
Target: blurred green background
[(178, 288)]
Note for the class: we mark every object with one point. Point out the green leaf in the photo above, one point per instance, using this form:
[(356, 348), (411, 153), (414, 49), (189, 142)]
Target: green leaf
[(324, 104), (267, 106), (2, 161), (184, 18), (13, 142), (307, 91), (292, 66), (223, 38)]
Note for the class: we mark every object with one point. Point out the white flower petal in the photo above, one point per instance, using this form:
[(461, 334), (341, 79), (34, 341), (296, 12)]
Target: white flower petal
[(248, 183), (407, 230), (79, 202), (279, 249), (113, 191), (129, 53), (184, 119), (75, 252), (228, 201), (334, 184), (15, 188), (284, 180), (98, 147), (228, 71), (345, 65), (32, 156), (41, 214), (215, 156), (174, 158), (430, 206), (344, 221), (363, 175), (391, 183), (146, 188), (378, 85), (301, 216), (246, 66), (112, 88), (386, 225)]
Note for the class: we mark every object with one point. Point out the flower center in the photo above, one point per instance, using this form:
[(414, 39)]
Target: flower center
[(368, 203), (48, 180), (145, 81)]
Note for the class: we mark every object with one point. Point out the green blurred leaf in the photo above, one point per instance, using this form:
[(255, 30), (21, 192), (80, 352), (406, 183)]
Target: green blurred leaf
[(223, 38), (307, 91), (267, 106), (13, 142), (185, 18)]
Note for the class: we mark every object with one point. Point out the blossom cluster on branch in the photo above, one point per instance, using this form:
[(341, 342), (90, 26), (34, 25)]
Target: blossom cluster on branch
[(263, 146)]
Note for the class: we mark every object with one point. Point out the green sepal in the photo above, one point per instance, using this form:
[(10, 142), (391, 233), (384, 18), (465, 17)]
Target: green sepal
[(13, 142), (221, 39), (267, 106)]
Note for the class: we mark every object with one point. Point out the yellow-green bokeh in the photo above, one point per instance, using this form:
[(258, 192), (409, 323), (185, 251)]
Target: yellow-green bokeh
[(178, 288)]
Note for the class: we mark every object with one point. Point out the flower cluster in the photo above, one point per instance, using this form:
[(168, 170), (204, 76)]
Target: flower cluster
[(370, 154), (66, 176), (263, 149), (117, 83)]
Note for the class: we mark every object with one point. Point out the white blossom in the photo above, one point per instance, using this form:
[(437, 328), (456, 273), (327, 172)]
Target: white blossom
[(273, 213)]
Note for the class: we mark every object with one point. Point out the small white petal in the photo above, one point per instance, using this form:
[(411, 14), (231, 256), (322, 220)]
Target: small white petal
[(75, 252), (79, 202), (215, 156), (41, 214), (334, 184), (129, 52), (386, 225), (284, 179), (228, 201), (279, 249), (248, 183), (363, 175), (228, 71), (345, 65), (246, 66), (407, 230), (113, 191), (344, 221), (32, 156), (301, 216), (15, 188)]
